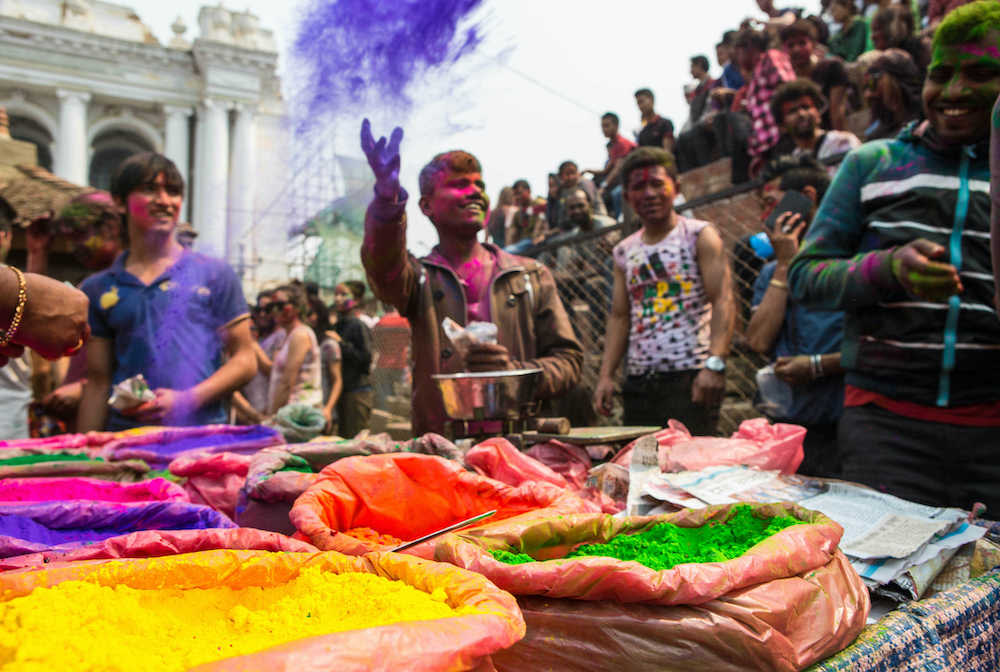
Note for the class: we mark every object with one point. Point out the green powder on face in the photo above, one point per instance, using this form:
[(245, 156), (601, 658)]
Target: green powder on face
[(52, 457), (665, 545)]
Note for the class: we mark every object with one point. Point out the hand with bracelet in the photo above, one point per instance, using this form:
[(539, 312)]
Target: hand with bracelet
[(40, 313), (797, 370)]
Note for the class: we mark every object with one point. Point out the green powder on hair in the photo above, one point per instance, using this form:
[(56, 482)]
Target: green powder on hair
[(665, 545)]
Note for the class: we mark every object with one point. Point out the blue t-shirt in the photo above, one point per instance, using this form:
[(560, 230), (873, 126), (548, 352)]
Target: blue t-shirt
[(807, 332), (169, 330), (732, 78)]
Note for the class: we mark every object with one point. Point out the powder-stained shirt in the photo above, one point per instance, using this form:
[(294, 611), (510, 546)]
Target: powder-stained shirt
[(669, 310), (475, 277), (170, 330)]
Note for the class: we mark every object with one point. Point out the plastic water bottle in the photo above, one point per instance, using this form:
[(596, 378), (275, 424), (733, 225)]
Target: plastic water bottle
[(761, 245)]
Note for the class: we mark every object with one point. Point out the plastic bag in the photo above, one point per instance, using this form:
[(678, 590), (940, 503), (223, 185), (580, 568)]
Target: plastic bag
[(159, 543), (213, 479), (458, 643), (130, 393), (757, 443), (774, 396), (781, 625), (61, 525), (90, 443), (787, 553), (498, 458), (299, 423), (277, 476), (157, 447), (48, 489), (407, 496), (573, 462), (126, 471)]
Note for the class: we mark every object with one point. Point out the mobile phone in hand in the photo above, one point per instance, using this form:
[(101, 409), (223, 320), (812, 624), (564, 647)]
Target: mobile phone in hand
[(794, 202)]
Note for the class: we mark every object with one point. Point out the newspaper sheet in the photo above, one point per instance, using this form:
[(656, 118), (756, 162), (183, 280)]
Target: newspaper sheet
[(728, 484), (877, 525)]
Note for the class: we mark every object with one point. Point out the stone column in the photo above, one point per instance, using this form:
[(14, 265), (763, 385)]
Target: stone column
[(177, 148), (242, 188), (71, 148), (211, 172)]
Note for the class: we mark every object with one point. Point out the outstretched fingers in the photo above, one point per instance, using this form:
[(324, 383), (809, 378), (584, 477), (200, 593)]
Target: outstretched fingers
[(367, 140), (395, 140)]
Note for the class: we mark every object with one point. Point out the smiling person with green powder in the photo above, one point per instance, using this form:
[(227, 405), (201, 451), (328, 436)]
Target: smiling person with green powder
[(901, 244)]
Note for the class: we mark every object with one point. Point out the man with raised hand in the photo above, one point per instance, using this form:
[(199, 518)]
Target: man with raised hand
[(461, 279), (901, 244)]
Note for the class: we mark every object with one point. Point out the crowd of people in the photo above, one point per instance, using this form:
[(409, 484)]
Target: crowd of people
[(873, 298), (154, 307)]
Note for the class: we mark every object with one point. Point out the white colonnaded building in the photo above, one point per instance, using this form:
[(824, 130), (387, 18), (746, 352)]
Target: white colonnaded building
[(86, 82)]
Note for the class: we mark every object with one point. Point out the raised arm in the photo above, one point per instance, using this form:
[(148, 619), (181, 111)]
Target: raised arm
[(383, 252), (769, 314)]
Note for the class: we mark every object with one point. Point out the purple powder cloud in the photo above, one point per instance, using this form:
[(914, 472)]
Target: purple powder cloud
[(358, 51)]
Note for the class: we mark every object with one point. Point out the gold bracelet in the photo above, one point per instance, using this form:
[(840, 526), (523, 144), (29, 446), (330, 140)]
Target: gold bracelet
[(778, 283), (22, 299)]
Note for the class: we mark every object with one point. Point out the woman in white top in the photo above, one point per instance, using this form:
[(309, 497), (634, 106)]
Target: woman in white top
[(295, 372)]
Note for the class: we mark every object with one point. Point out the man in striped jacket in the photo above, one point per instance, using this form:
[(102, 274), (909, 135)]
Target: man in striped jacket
[(901, 244)]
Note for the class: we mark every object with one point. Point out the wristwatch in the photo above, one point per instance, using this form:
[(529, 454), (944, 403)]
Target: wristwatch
[(716, 364)]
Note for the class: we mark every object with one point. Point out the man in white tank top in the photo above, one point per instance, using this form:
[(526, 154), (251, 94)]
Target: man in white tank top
[(672, 307)]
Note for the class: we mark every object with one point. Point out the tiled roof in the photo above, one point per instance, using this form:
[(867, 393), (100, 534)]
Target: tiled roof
[(36, 193)]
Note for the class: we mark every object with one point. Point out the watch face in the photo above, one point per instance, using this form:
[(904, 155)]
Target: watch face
[(716, 364)]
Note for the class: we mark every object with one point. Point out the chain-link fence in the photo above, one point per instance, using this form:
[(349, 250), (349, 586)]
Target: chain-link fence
[(582, 267)]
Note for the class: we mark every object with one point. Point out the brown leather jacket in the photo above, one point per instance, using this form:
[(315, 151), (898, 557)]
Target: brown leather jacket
[(524, 303)]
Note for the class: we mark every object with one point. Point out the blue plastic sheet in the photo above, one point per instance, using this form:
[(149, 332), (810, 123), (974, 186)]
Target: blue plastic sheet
[(40, 526), (158, 448)]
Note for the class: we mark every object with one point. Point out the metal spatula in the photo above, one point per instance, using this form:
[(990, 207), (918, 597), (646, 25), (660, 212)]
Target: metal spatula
[(438, 533)]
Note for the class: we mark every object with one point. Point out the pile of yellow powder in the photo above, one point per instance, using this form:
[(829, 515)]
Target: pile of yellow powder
[(82, 626)]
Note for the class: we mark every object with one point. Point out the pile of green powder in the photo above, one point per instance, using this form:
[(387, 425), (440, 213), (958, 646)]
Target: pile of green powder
[(47, 457), (665, 545)]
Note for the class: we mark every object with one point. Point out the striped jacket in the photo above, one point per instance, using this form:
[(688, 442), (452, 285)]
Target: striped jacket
[(886, 194)]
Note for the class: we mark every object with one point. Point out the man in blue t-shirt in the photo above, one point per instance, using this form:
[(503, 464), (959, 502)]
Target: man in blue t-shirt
[(804, 343), (163, 311)]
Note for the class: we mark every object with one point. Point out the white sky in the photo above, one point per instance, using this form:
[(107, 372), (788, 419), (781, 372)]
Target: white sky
[(591, 56)]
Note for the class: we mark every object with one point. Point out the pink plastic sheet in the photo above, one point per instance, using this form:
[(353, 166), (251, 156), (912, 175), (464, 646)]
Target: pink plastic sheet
[(572, 462), (213, 479), (499, 459), (757, 443), (48, 489)]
